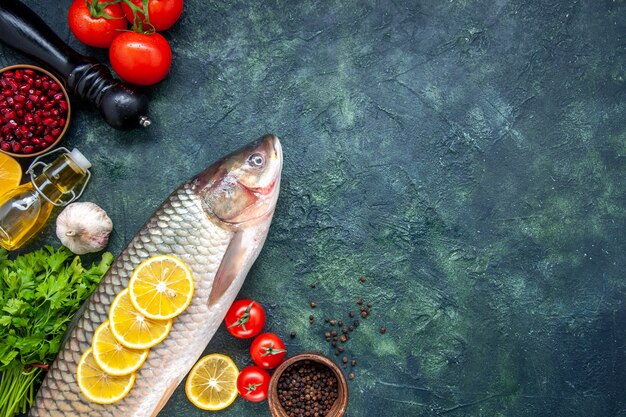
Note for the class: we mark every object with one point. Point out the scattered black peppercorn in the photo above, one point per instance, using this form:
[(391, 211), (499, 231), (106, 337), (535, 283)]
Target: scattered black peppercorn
[(307, 389), (383, 330), (342, 334), (292, 335), (350, 375), (353, 362)]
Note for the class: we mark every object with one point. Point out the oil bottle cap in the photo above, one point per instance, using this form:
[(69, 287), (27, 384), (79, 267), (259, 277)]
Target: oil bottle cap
[(80, 159)]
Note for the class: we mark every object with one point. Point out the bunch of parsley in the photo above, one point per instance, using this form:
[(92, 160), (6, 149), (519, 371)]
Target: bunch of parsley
[(39, 294)]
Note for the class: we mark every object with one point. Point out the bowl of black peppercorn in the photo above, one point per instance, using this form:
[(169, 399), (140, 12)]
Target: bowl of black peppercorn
[(308, 384)]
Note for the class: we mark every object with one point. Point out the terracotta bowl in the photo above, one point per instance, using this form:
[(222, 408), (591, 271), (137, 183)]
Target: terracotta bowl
[(67, 119), (341, 403)]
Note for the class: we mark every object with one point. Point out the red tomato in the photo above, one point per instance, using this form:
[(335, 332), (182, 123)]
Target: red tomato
[(140, 58), (100, 30), (162, 13), (267, 351), (252, 383), (245, 319)]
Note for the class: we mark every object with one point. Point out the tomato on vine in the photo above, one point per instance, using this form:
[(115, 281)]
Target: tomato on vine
[(96, 22), (267, 351), (245, 319), (253, 383), (162, 14)]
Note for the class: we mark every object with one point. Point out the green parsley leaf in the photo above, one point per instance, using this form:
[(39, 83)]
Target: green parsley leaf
[(39, 294)]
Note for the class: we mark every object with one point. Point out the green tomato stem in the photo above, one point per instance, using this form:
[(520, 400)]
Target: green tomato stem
[(137, 20), (97, 9), (269, 350), (244, 318)]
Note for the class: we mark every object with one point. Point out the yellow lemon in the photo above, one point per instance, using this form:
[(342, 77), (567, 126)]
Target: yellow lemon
[(212, 383), (131, 328), (112, 356), (161, 287), (98, 386), (10, 173)]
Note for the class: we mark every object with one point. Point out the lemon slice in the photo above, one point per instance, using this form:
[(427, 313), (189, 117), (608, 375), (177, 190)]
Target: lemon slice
[(161, 287), (10, 173), (212, 383), (113, 357), (98, 386), (131, 328)]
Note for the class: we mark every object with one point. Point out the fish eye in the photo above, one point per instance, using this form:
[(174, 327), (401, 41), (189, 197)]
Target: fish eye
[(256, 160)]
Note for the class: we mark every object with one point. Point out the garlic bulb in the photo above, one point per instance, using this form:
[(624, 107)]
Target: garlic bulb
[(84, 228)]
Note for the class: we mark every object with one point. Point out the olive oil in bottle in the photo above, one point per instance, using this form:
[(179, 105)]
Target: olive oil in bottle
[(25, 209)]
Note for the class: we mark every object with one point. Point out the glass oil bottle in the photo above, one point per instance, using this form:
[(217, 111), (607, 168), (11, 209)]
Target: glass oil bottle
[(25, 209)]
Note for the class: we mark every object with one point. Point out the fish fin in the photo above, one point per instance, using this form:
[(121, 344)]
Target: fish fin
[(237, 261), (166, 396), (230, 266)]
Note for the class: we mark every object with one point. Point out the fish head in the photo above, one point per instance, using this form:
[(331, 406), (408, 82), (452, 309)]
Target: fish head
[(242, 188)]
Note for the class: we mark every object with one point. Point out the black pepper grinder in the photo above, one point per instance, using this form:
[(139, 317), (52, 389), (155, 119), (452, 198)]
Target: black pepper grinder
[(121, 105)]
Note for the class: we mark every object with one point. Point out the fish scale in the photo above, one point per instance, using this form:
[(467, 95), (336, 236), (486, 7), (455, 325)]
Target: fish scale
[(180, 227)]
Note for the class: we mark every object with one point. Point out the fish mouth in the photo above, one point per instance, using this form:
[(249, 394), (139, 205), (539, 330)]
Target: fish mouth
[(277, 146), (270, 192)]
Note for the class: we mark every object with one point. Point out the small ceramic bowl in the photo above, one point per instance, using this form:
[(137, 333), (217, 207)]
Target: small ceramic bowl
[(67, 118), (341, 403)]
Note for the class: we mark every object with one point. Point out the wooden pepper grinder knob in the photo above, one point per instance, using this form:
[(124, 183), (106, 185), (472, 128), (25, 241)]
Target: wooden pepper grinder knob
[(121, 105)]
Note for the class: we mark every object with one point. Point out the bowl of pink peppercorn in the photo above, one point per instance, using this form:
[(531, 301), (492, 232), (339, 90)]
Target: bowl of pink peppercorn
[(34, 111)]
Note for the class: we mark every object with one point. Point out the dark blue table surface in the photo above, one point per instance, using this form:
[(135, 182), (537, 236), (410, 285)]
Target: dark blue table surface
[(467, 156)]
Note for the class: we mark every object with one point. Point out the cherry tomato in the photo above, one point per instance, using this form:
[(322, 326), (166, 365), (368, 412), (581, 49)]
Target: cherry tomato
[(252, 383), (100, 30), (140, 58), (245, 319), (162, 13), (267, 351)]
